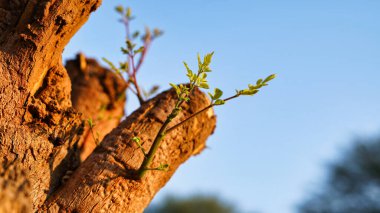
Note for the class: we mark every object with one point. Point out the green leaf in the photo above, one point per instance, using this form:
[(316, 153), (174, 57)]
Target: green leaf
[(207, 59), (206, 69), (136, 139), (139, 50), (194, 77), (252, 87), (269, 78), (219, 102), (174, 86), (112, 66), (90, 123), (128, 14), (258, 82), (198, 81), (211, 96), (151, 92), (248, 92), (217, 93), (135, 34), (154, 89), (204, 85), (177, 89), (124, 51), (119, 9), (163, 167), (189, 72), (124, 66), (181, 87), (199, 61), (130, 45), (186, 66), (202, 77)]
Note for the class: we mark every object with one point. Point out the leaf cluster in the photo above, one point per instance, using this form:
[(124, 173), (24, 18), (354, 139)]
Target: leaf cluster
[(199, 79), (183, 91), (125, 12), (130, 43), (136, 53), (123, 66), (253, 89), (196, 79), (215, 97)]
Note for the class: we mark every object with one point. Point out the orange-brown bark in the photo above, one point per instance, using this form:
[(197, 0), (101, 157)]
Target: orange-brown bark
[(99, 94), (42, 122), (106, 181)]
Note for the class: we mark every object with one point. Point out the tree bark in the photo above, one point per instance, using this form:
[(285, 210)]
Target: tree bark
[(43, 112), (99, 94), (106, 182)]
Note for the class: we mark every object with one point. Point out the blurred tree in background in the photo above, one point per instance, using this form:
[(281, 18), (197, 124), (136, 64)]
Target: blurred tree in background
[(193, 204), (353, 184)]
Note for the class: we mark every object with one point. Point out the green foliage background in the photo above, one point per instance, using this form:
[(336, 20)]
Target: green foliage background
[(353, 183), (193, 204)]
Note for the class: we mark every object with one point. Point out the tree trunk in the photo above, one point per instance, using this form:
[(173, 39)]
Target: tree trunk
[(43, 111)]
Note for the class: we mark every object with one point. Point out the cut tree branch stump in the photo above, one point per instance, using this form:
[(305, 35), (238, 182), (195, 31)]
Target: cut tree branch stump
[(42, 122)]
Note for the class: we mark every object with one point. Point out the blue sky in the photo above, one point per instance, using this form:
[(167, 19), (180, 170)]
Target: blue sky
[(270, 150)]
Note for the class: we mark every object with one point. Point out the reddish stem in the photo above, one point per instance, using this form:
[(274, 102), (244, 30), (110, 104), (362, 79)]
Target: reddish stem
[(138, 91), (143, 54)]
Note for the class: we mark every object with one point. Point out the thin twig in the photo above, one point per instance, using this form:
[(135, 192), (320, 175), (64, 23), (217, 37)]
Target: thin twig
[(197, 113)]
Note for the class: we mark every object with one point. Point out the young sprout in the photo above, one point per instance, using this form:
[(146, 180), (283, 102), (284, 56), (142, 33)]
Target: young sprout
[(135, 53), (183, 92), (216, 97), (137, 141), (128, 70), (198, 79)]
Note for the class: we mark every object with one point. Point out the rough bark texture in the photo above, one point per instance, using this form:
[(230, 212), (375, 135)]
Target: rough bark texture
[(99, 94), (35, 103), (105, 181), (42, 122)]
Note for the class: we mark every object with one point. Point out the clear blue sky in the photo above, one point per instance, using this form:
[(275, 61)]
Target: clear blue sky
[(268, 151)]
